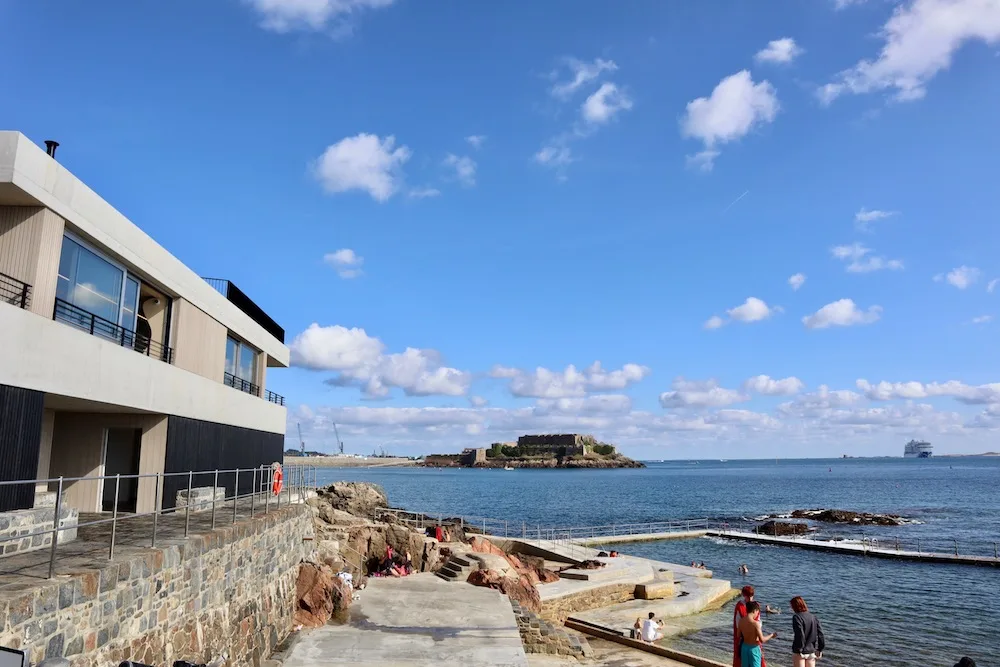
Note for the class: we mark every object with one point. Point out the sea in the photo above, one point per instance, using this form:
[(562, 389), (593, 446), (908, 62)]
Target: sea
[(883, 612)]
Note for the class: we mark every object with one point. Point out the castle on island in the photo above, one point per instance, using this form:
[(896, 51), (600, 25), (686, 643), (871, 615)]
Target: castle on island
[(546, 450)]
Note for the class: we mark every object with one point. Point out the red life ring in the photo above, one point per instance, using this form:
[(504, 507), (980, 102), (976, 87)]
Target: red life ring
[(276, 484)]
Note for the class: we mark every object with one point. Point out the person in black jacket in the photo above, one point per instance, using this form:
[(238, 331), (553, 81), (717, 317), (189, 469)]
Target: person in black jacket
[(808, 642)]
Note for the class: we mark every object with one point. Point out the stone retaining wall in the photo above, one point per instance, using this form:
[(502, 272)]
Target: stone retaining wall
[(16, 529), (229, 591), (539, 636), (558, 609)]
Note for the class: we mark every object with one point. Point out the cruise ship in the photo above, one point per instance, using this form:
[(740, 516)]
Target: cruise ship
[(918, 449)]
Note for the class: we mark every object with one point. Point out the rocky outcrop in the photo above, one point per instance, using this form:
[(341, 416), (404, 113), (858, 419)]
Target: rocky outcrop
[(847, 516), (517, 588), (359, 499), (348, 538), (782, 528), (320, 595)]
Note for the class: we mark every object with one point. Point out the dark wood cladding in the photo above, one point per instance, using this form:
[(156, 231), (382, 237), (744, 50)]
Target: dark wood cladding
[(20, 438), (193, 444)]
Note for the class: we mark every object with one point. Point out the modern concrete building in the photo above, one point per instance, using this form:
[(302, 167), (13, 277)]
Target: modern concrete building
[(114, 356)]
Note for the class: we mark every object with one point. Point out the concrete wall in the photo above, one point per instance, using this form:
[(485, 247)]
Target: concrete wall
[(231, 591), (78, 450), (199, 342), (30, 245), (27, 173), (45, 448), (38, 353)]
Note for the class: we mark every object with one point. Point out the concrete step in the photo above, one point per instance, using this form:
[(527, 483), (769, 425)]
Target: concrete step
[(463, 560)]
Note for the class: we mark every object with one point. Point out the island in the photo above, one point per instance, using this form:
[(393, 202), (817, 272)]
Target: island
[(558, 450)]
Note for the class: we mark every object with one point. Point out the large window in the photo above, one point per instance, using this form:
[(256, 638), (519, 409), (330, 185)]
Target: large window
[(97, 285), (241, 366)]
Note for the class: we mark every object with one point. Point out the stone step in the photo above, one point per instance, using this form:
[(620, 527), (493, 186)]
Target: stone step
[(464, 560)]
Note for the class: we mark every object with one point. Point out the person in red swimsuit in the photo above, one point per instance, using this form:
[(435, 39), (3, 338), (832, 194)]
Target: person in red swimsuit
[(739, 612)]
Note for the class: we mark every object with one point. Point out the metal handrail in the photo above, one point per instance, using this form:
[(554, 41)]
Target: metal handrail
[(84, 320), (15, 292), (274, 398), (297, 480), (239, 383)]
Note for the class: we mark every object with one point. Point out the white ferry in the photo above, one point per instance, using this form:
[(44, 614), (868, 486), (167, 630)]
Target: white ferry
[(918, 449)]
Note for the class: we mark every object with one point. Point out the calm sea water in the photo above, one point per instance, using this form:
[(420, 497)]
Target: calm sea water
[(873, 612)]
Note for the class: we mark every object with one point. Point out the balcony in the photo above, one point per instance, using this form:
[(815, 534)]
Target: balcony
[(244, 303), (95, 325), (14, 292)]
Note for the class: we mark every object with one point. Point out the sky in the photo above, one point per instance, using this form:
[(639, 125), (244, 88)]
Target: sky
[(694, 230)]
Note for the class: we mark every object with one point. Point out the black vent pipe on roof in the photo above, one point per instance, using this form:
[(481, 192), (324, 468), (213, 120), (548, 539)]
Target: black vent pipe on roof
[(50, 147)]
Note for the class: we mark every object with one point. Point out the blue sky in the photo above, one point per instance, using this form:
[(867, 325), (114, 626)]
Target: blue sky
[(467, 199)]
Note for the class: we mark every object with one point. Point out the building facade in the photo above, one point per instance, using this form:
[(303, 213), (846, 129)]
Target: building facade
[(115, 357)]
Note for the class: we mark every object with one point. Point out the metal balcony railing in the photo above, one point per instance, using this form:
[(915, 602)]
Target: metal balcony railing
[(238, 298), (14, 291), (254, 492), (246, 386), (274, 398), (96, 325)]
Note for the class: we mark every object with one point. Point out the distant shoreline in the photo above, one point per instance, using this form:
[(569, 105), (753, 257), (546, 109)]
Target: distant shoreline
[(349, 462)]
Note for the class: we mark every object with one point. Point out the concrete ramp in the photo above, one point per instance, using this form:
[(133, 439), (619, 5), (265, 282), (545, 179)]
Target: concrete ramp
[(413, 621)]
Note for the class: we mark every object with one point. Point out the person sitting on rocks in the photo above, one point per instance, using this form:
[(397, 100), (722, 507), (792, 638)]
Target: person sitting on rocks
[(614, 554), (651, 629)]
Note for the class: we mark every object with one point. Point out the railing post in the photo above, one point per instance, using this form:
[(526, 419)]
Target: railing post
[(24, 295), (524, 530), (505, 528), (114, 518), (187, 508), (156, 507), (267, 488), (236, 492), (55, 532), (956, 547), (253, 492), (995, 550), (215, 485), (91, 325)]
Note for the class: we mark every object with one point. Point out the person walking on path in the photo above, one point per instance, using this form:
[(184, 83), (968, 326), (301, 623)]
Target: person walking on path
[(739, 613), (752, 638), (807, 635)]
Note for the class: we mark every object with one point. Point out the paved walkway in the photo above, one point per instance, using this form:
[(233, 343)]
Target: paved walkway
[(417, 620)]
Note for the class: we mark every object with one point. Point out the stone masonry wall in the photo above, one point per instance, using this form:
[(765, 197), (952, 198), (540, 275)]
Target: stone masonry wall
[(229, 591), (539, 636), (558, 609), (16, 529)]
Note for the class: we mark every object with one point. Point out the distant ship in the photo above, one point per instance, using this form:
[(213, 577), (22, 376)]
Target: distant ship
[(918, 449)]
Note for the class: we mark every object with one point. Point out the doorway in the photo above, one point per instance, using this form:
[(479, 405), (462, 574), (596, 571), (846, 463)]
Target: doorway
[(121, 457)]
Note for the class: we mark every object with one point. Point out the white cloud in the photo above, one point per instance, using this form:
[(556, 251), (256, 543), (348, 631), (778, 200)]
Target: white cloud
[(465, 169), (700, 394), (864, 217), (598, 404), (554, 156), (962, 277), (734, 108), (423, 193), (842, 313), (797, 281), (361, 361), (363, 162), (714, 322), (971, 395), (476, 140), (751, 310), (991, 285), (570, 382), (478, 402), (783, 50), (920, 39), (844, 4), (316, 15), (820, 402), (604, 104), (702, 160), (763, 384), (982, 319), (860, 260), (582, 73), (346, 262)]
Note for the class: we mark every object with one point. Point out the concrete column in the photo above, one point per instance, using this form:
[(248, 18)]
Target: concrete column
[(151, 459), (45, 449)]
